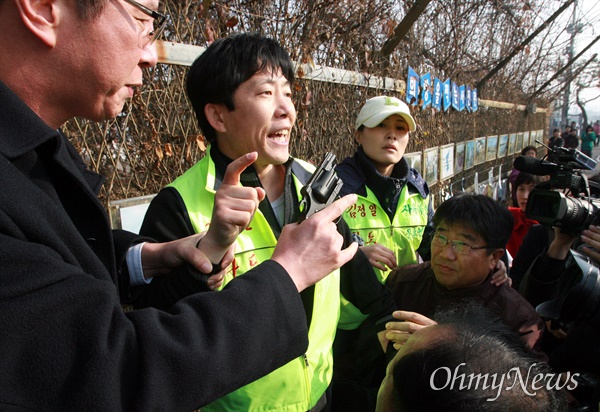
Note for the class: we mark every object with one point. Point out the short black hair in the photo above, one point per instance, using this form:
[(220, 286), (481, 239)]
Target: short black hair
[(480, 344), (487, 217), (524, 178), (528, 148), (225, 65)]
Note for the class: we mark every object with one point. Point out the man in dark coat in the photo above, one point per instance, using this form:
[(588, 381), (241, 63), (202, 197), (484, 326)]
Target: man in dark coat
[(66, 343)]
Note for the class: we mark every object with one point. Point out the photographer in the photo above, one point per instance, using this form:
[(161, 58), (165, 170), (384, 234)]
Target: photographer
[(572, 344), (561, 282), (541, 281)]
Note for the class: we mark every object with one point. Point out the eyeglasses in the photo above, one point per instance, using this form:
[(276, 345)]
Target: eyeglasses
[(458, 246), (160, 19)]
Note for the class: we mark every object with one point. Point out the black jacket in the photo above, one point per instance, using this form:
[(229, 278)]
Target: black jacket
[(66, 343)]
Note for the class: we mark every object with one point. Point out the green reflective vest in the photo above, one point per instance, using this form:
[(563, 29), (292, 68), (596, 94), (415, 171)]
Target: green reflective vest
[(402, 235), (298, 385)]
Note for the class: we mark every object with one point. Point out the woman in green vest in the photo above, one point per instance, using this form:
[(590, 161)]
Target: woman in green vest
[(394, 210)]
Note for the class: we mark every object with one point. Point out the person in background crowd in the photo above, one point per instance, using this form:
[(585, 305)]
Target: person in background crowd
[(568, 297), (525, 183), (468, 340), (588, 138), (571, 140), (67, 344), (241, 90), (575, 127), (566, 132), (555, 140), (538, 238), (530, 151), (597, 131)]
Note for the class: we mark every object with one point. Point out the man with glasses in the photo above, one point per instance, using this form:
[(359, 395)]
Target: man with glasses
[(471, 232), (159, 20), (66, 343)]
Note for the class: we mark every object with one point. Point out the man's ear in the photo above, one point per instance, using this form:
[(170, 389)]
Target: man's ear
[(41, 17), (213, 113)]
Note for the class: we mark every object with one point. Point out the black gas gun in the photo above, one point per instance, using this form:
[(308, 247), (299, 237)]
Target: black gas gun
[(321, 189)]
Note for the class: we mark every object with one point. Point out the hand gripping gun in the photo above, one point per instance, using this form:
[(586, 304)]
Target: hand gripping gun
[(321, 189)]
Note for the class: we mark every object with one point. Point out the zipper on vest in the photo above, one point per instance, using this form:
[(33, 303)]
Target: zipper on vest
[(307, 379)]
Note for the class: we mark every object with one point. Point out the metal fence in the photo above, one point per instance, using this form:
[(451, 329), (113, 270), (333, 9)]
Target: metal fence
[(156, 138)]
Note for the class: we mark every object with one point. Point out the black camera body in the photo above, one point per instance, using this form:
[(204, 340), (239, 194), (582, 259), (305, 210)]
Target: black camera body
[(570, 201), (567, 200)]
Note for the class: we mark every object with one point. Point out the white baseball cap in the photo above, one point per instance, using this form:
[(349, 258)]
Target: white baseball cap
[(379, 108)]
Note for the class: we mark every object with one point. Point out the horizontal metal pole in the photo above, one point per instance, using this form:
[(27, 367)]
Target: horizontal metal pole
[(185, 54)]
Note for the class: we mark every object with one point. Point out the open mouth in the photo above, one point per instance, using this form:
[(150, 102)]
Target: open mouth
[(281, 136)]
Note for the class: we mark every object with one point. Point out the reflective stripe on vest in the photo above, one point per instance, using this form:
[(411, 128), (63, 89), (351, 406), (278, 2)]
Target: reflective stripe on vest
[(298, 385), (367, 219)]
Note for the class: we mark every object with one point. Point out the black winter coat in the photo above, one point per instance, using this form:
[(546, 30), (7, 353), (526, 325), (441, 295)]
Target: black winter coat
[(66, 343)]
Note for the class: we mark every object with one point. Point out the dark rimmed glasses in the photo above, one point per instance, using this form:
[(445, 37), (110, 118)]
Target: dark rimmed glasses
[(460, 247), (160, 20)]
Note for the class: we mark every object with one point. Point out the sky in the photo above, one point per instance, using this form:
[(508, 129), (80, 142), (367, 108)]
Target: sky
[(588, 13)]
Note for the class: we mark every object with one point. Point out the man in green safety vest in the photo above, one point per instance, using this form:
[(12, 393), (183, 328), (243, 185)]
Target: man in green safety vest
[(240, 89)]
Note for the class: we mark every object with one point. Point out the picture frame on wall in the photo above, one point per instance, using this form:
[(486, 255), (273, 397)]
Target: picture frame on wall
[(526, 139), (414, 160), (480, 150), (519, 145), (533, 136), (512, 143), (446, 161), (459, 157), (491, 148), (431, 163), (469, 154), (502, 145)]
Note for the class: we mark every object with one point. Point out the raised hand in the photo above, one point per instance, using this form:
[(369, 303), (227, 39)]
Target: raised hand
[(233, 209), (591, 239), (311, 250), (500, 275), (407, 324)]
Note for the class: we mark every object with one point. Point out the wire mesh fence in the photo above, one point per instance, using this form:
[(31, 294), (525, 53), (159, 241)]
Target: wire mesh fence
[(156, 138)]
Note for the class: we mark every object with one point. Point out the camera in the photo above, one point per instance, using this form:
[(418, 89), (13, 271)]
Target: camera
[(568, 199), (578, 292), (572, 301)]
